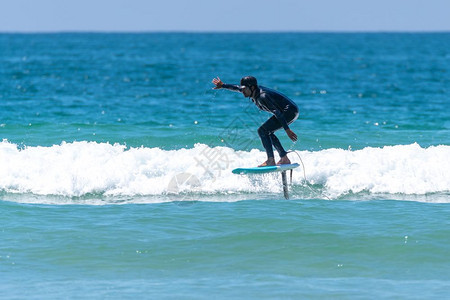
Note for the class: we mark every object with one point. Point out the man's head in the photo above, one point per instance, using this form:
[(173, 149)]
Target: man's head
[(248, 85)]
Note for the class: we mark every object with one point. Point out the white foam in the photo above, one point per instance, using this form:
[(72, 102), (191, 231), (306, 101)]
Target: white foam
[(83, 168)]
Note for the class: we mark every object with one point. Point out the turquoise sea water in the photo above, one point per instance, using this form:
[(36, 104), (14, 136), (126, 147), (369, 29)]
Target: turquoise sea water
[(116, 159)]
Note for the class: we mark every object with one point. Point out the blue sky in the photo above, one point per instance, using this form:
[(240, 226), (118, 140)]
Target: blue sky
[(230, 15)]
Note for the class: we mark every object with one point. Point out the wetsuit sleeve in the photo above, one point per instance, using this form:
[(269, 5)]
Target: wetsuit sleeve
[(231, 87), (270, 104)]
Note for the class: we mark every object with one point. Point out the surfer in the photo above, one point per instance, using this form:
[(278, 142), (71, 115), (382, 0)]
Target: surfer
[(284, 111)]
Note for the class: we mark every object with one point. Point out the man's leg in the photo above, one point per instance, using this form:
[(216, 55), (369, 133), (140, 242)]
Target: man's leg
[(291, 115), (265, 132), (267, 144), (269, 139), (276, 143)]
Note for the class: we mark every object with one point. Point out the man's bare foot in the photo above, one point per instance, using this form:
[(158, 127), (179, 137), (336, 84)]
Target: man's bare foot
[(268, 162), (284, 161)]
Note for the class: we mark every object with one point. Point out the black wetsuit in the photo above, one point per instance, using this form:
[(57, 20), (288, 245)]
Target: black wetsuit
[(284, 111)]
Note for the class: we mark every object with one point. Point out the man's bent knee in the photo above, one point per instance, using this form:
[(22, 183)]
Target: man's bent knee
[(263, 132)]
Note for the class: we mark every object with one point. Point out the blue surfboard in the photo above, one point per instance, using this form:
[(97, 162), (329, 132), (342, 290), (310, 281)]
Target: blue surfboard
[(262, 170)]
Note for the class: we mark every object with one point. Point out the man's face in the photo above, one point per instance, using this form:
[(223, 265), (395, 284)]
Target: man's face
[(246, 91)]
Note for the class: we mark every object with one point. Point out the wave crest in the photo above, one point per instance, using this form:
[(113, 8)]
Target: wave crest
[(81, 168)]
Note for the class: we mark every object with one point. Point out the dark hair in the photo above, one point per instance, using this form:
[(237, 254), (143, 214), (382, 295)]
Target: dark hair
[(249, 81)]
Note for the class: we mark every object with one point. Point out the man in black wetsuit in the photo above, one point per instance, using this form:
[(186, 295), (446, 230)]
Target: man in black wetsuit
[(284, 111)]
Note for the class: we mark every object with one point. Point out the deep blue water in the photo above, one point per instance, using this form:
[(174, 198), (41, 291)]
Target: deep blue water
[(131, 87), (104, 134)]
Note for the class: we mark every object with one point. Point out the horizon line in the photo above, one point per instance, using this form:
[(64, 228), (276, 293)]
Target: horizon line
[(214, 31)]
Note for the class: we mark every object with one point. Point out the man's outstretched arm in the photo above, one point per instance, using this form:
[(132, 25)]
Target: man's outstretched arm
[(220, 85)]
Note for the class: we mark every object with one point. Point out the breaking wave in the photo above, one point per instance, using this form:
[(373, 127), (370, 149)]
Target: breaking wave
[(89, 168)]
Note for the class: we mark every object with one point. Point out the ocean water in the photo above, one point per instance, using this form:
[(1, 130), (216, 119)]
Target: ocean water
[(116, 159)]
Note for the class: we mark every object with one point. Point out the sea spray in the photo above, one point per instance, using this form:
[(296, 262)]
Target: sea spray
[(80, 168)]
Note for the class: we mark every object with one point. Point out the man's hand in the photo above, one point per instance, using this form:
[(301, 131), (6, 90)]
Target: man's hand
[(291, 135), (218, 83)]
